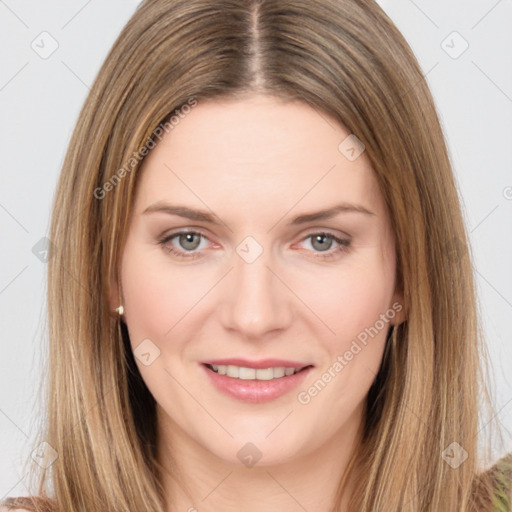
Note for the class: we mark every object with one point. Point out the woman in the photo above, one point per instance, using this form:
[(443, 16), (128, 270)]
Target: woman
[(261, 295)]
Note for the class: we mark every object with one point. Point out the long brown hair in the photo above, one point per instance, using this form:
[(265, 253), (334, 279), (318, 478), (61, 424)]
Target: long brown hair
[(347, 60)]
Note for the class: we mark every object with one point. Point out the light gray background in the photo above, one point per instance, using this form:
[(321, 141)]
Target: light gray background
[(40, 100)]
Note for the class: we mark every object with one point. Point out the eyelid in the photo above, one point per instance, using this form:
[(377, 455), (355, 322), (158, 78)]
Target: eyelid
[(183, 231), (343, 241), (310, 231), (328, 231), (169, 235)]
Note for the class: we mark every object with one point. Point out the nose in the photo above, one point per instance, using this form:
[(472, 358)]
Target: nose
[(255, 300)]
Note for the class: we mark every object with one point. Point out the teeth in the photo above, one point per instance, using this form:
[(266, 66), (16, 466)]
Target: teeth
[(232, 371), (240, 372), (278, 372), (245, 373)]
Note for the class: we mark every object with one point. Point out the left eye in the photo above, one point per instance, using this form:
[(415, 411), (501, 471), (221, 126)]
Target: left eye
[(322, 243), (190, 242)]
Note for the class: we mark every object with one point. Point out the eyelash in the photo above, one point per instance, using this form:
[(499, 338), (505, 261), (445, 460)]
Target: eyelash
[(343, 245)]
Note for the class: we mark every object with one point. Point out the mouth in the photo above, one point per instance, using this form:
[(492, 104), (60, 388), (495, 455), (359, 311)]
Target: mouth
[(253, 385), (261, 374), (255, 381)]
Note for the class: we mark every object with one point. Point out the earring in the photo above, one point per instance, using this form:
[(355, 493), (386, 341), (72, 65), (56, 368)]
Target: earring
[(120, 310)]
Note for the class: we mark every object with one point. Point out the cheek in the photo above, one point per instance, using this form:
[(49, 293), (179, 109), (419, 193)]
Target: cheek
[(353, 309), (353, 305), (156, 296), (353, 301), (157, 299)]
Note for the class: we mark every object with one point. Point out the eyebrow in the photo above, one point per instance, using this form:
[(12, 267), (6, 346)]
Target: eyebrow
[(204, 216)]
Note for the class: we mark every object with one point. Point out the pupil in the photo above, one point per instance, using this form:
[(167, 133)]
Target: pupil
[(188, 239), (322, 239)]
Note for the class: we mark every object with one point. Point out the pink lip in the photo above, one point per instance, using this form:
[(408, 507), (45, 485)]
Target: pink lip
[(256, 391), (263, 363)]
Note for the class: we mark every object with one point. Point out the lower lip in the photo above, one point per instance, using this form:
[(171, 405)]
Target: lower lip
[(256, 391)]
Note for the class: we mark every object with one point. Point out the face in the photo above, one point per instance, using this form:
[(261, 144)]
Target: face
[(230, 262)]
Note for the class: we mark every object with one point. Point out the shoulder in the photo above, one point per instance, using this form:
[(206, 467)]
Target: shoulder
[(28, 504), (502, 478), (23, 504)]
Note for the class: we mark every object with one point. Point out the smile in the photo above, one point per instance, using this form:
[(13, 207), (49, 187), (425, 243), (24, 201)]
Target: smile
[(255, 385), (244, 373)]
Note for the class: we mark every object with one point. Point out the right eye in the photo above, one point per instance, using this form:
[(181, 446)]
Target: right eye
[(188, 240)]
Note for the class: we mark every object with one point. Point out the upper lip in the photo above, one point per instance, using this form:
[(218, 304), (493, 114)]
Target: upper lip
[(262, 363)]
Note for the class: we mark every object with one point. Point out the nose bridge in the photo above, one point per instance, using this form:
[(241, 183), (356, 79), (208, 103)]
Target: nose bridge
[(256, 301)]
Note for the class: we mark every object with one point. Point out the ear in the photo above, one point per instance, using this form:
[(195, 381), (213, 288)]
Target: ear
[(114, 296), (398, 305)]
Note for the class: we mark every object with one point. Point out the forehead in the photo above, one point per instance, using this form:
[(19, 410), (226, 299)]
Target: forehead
[(258, 129), (258, 150)]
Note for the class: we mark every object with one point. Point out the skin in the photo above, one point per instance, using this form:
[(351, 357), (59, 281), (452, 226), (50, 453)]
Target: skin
[(255, 164)]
